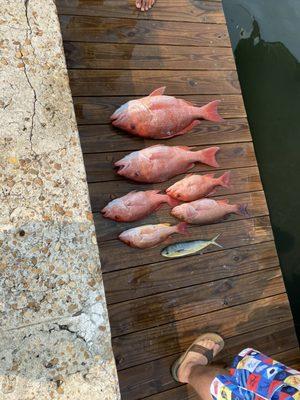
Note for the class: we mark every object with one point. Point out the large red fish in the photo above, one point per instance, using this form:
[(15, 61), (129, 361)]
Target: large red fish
[(136, 205), (159, 163), (207, 211), (194, 187), (161, 117), (147, 236)]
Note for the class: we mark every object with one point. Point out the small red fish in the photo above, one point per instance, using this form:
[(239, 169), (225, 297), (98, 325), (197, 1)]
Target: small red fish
[(159, 163), (207, 211), (194, 187), (136, 205), (147, 236), (161, 117)]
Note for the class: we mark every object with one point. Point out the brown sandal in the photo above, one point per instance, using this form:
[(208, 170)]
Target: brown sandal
[(197, 348)]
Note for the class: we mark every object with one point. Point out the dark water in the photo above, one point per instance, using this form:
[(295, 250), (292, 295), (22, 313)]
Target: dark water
[(265, 35)]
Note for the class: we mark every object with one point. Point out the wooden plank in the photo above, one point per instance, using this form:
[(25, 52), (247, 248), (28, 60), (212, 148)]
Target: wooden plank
[(97, 110), (175, 305), (178, 10), (242, 180), (233, 234), (147, 57), (106, 138), (99, 167), (119, 82), (148, 280), (117, 30), (256, 206), (154, 376), (290, 357), (144, 346)]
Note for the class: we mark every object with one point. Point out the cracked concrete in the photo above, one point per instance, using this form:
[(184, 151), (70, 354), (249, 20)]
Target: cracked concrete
[(54, 330)]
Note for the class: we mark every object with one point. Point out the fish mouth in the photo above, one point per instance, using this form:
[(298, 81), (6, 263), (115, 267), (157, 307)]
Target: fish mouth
[(119, 114), (120, 168)]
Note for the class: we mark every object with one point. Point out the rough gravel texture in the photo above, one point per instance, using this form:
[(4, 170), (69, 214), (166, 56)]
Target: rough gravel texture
[(54, 331)]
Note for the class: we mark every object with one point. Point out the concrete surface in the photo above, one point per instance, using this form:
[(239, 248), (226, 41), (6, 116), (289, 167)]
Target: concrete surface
[(55, 336)]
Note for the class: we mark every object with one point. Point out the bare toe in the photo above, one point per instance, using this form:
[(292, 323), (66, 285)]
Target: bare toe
[(138, 3)]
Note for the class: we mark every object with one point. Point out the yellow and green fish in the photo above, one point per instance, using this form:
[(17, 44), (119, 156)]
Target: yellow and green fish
[(182, 249)]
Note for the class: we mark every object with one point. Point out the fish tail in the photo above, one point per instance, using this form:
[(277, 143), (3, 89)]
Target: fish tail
[(182, 228), (224, 180), (208, 156), (242, 210), (210, 112), (213, 241), (172, 202)]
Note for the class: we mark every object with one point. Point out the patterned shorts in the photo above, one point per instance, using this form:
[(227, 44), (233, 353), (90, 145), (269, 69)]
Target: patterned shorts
[(254, 376)]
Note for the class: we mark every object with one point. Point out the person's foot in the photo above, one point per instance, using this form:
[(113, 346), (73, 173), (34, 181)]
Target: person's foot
[(144, 5), (192, 359)]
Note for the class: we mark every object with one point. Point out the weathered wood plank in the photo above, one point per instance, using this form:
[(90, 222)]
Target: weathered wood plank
[(147, 57), (179, 10), (116, 255), (106, 138), (153, 377), (242, 180), (117, 30), (144, 346), (97, 110), (256, 206), (148, 280), (175, 305), (87, 82), (99, 167), (290, 357)]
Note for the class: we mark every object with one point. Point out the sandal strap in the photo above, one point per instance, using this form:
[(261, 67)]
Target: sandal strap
[(208, 353)]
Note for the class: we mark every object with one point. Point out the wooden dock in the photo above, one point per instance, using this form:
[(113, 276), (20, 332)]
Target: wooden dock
[(157, 307)]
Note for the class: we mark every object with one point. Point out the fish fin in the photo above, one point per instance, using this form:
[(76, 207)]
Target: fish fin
[(223, 201), (158, 92), (185, 147), (242, 210), (211, 193), (188, 128), (208, 156), (182, 228), (224, 180), (213, 241), (189, 103), (210, 112)]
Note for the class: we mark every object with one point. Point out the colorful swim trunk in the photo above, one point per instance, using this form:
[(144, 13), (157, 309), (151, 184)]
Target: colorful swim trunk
[(254, 376)]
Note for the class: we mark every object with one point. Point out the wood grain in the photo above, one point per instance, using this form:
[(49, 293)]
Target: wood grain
[(144, 346), (178, 10), (233, 234), (139, 31), (154, 376), (106, 138), (150, 279), (147, 57), (97, 110), (99, 167), (255, 201), (117, 82), (175, 305)]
